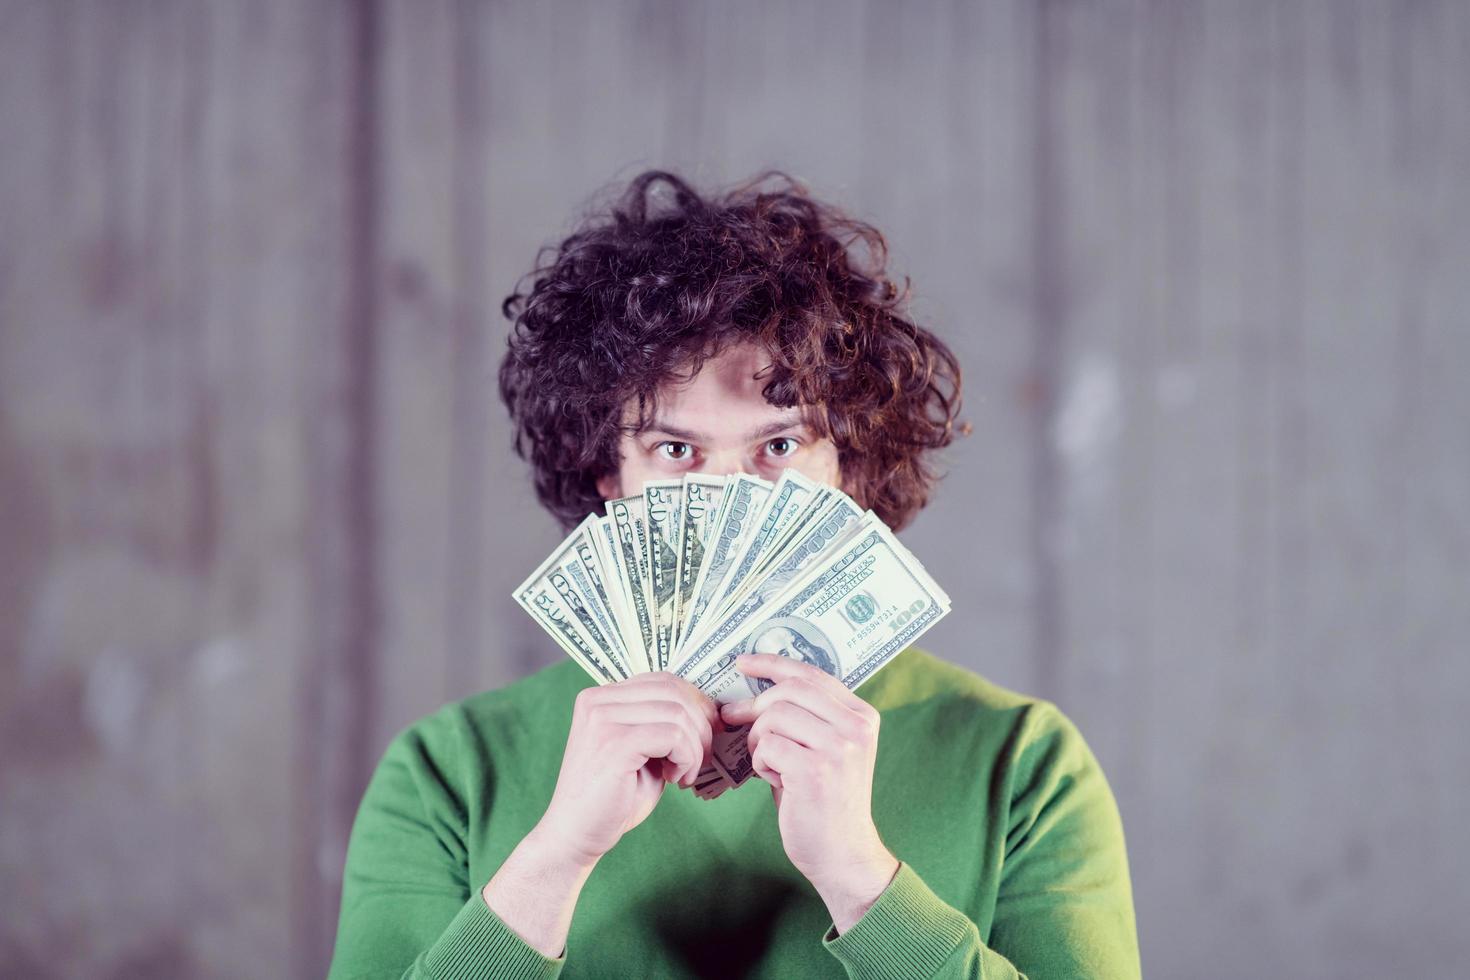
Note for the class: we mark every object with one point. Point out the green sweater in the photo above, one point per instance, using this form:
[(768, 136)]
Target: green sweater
[(1012, 860)]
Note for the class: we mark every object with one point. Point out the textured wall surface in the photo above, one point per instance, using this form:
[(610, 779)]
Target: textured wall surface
[(1205, 265)]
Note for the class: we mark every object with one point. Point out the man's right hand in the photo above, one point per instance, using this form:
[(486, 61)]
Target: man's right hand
[(627, 740)]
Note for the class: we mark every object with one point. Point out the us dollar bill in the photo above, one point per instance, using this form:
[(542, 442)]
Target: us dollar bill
[(630, 549), (605, 555), (662, 501), (711, 782), (540, 600), (811, 510), (781, 508), (563, 581), (553, 595), (688, 574), (643, 579), (585, 569), (702, 496), (848, 617), (841, 519), (738, 508)]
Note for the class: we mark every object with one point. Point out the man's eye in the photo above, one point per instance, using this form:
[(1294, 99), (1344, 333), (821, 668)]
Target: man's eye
[(782, 446), (676, 451)]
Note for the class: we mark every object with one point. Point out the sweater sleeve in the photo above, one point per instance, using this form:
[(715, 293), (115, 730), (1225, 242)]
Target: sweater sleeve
[(1064, 906), (408, 910)]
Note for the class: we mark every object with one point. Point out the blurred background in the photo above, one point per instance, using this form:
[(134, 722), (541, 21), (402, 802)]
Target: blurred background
[(1206, 265)]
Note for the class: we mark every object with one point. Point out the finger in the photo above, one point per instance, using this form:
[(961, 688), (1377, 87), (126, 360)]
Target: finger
[(672, 685), (758, 763), (694, 731), (788, 722), (778, 668), (738, 712), (657, 687), (769, 775), (658, 740), (844, 712), (643, 712), (779, 755), (794, 722), (702, 702)]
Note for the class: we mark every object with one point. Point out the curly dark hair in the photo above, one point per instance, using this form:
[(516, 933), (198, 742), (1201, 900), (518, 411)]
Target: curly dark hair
[(637, 297)]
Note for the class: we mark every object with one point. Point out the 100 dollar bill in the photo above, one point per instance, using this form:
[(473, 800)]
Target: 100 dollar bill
[(554, 596), (848, 617), (626, 521), (662, 502), (701, 505), (841, 519), (742, 501)]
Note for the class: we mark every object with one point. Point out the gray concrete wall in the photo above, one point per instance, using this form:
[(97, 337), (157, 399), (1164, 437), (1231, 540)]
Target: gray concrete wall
[(1205, 265)]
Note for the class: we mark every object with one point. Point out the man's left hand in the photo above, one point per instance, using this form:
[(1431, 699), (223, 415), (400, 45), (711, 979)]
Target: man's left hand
[(815, 742)]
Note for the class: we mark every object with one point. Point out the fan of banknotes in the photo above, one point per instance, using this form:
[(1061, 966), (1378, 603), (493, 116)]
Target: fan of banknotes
[(691, 573)]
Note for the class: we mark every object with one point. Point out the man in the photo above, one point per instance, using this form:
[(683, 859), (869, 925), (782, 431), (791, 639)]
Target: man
[(929, 824)]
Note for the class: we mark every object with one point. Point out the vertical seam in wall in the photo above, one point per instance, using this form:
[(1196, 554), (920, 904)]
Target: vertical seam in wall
[(1049, 313), (1289, 538), (338, 679), (360, 331), (470, 382)]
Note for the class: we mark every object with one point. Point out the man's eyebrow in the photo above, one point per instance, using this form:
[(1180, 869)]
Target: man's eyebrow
[(769, 429), (780, 425), (659, 425)]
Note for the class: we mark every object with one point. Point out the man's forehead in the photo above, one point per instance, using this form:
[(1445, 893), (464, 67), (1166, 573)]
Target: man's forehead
[(724, 400), (745, 424), (740, 369)]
